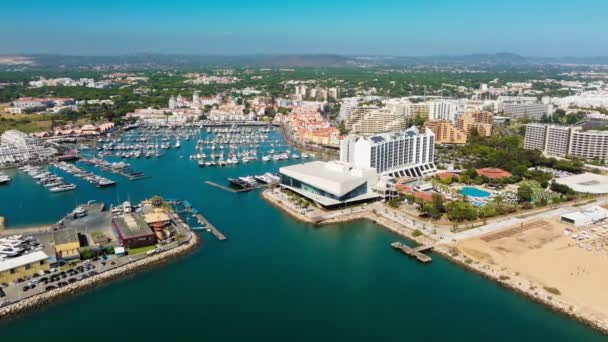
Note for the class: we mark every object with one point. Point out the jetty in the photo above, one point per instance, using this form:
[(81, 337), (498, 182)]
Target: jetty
[(205, 223), (227, 188), (108, 167), (416, 252)]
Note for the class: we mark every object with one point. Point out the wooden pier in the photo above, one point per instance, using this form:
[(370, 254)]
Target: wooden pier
[(414, 252), (205, 223)]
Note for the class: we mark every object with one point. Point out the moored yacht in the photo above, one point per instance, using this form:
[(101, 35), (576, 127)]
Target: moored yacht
[(4, 179)]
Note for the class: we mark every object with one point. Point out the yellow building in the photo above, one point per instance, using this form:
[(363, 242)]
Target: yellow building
[(66, 244), (418, 110), (22, 266), (324, 136), (482, 121), (446, 133)]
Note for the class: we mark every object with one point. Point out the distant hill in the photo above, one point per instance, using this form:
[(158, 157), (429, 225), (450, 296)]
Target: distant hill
[(477, 59), (305, 61), (152, 60)]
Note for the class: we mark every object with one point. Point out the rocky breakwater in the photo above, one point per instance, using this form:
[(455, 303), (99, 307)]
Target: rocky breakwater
[(533, 291), (77, 287)]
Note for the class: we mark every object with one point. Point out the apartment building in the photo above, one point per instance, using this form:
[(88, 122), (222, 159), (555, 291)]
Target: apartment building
[(443, 110), (482, 121), (563, 141), (372, 119), (530, 111), (446, 133)]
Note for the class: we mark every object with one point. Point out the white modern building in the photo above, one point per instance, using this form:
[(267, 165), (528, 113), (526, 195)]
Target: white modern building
[(567, 141), (331, 184), (530, 111), (17, 148), (347, 105), (592, 215), (406, 153), (443, 110)]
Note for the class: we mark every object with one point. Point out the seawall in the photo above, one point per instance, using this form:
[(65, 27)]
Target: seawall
[(48, 297)]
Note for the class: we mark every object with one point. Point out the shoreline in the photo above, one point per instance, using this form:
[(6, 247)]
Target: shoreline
[(34, 302), (533, 291)]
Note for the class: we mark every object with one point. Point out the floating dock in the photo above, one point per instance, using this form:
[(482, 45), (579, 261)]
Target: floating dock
[(127, 173), (223, 187), (203, 221), (414, 252)]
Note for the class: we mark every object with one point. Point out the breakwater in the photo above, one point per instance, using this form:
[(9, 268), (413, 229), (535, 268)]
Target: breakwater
[(48, 297)]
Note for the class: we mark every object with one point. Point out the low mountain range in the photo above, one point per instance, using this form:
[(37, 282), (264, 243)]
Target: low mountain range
[(293, 60)]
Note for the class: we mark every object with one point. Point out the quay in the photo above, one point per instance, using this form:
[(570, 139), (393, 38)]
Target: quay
[(205, 223), (414, 252)]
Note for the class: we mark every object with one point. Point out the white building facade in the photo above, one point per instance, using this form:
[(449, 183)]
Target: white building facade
[(567, 141), (407, 153)]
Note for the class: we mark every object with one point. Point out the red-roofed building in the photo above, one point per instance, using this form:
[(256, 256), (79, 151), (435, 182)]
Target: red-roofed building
[(493, 173), (446, 175), (406, 189)]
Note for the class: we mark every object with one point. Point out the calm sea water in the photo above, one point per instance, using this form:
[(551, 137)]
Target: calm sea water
[(273, 279)]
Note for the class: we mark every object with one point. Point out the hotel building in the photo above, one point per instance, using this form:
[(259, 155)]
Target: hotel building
[(406, 153)]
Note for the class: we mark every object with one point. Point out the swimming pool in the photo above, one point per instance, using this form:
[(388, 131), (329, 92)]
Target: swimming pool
[(474, 192)]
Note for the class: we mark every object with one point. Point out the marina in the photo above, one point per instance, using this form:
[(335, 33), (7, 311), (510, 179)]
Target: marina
[(48, 180), (265, 241), (98, 181), (119, 168)]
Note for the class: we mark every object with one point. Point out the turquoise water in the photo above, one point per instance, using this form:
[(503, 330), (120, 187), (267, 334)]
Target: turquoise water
[(474, 192), (273, 279)]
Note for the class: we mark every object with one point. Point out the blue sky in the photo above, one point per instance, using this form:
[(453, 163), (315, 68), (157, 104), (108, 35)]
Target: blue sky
[(387, 27)]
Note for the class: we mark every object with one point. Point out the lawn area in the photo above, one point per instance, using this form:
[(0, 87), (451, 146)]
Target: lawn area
[(135, 251), (24, 122)]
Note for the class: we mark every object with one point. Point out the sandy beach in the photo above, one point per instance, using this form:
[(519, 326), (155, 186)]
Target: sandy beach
[(549, 261)]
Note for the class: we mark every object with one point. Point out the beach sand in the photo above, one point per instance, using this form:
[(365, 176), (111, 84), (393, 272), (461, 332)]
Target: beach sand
[(543, 255)]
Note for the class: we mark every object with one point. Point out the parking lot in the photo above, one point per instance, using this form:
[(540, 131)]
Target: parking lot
[(61, 277)]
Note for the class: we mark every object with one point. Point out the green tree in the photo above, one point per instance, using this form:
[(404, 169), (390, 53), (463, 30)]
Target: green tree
[(525, 193), (461, 211)]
